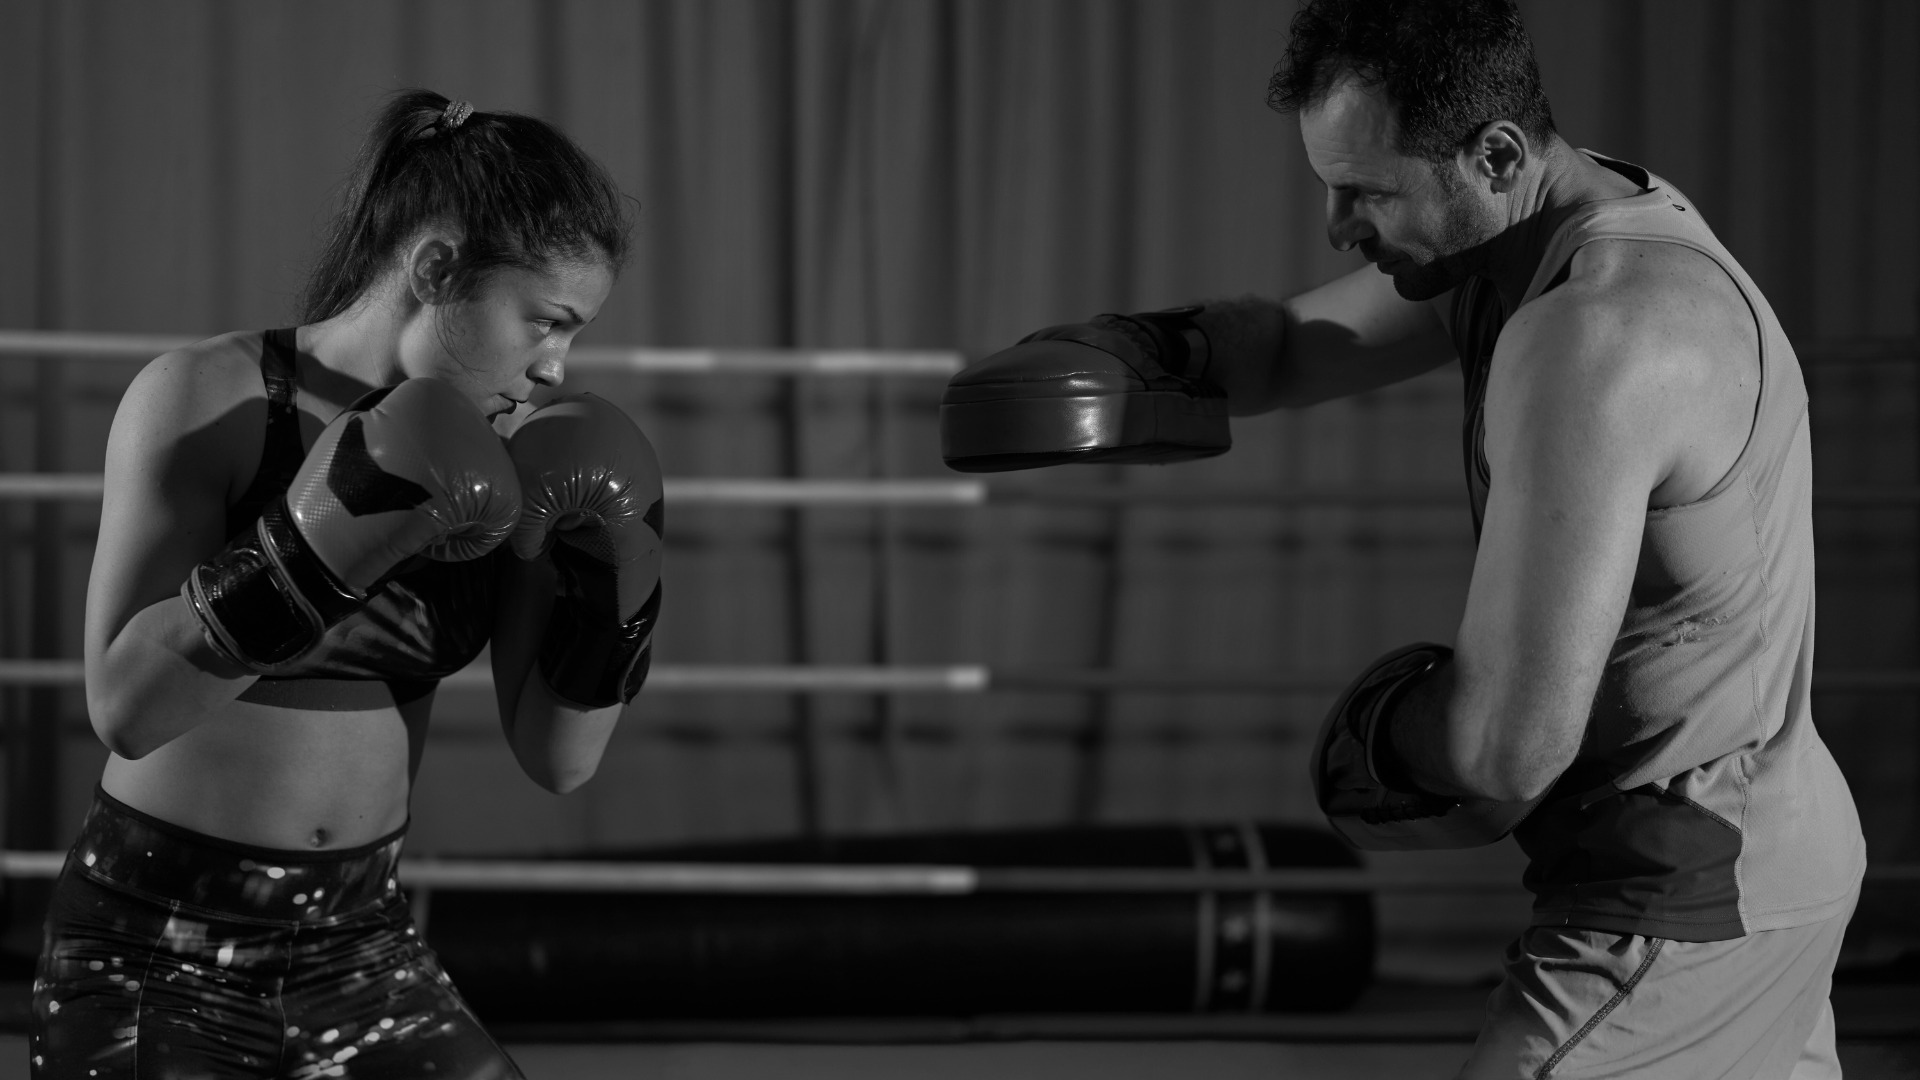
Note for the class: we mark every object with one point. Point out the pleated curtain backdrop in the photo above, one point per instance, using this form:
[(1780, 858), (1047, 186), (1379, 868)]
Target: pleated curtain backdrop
[(941, 174)]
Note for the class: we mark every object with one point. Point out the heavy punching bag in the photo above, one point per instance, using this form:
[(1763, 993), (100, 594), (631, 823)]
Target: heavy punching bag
[(578, 957)]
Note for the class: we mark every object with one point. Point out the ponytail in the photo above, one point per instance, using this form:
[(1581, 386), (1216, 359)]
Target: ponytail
[(516, 189)]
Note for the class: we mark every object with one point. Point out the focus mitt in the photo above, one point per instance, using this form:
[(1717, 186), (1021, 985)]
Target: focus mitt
[(1122, 389)]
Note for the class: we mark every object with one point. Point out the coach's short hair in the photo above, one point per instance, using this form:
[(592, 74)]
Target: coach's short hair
[(1449, 66)]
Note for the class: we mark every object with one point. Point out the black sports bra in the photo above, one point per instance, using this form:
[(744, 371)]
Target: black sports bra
[(430, 620)]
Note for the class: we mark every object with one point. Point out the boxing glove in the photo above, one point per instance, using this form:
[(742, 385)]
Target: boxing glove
[(1371, 803), (411, 469), (593, 505), (1124, 389)]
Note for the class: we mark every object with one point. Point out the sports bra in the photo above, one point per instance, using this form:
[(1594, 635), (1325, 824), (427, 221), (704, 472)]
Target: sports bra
[(430, 619)]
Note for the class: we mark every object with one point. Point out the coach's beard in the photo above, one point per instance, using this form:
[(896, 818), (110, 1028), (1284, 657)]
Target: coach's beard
[(1459, 252)]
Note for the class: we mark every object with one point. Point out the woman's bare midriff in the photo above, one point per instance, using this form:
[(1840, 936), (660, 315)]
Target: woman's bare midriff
[(281, 778)]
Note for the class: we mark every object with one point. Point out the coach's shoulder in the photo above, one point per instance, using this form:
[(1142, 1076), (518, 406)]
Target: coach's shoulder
[(1643, 321)]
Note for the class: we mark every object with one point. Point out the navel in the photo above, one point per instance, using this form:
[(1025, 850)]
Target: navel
[(319, 838)]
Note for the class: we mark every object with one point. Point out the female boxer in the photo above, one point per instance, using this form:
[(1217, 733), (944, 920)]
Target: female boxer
[(303, 530)]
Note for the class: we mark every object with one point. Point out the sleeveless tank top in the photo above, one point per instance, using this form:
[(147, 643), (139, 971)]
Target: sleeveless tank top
[(1702, 804), (430, 620)]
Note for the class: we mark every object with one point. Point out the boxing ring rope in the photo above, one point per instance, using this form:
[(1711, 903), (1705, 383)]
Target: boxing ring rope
[(86, 487), (71, 345), (954, 679), (790, 879), (80, 345), (83, 345), (852, 880), (800, 493), (426, 874)]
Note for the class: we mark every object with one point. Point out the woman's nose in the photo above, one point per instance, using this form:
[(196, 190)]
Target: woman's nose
[(548, 371)]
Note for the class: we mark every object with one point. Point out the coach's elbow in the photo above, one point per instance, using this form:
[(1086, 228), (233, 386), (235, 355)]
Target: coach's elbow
[(1519, 786), (1510, 774)]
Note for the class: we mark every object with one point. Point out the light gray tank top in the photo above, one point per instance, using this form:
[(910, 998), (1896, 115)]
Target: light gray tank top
[(1703, 804)]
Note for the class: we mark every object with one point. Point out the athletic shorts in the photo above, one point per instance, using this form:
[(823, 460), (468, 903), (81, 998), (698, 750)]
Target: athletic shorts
[(172, 954), (1586, 1004)]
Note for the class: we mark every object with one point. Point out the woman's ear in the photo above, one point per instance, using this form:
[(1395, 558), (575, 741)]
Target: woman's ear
[(430, 265)]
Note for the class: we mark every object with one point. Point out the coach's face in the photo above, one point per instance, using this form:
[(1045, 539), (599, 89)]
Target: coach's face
[(1403, 215)]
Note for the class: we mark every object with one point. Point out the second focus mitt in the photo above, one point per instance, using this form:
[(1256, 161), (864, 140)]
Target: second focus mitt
[(1364, 800), (1122, 389)]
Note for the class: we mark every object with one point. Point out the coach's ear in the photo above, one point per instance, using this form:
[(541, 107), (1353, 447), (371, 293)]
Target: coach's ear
[(1497, 154)]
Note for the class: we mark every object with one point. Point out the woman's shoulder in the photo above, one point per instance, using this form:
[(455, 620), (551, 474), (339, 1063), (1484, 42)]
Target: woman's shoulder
[(224, 368), (202, 405), (204, 383)]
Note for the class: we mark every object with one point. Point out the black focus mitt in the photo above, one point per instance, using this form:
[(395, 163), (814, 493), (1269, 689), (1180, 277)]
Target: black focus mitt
[(1122, 389)]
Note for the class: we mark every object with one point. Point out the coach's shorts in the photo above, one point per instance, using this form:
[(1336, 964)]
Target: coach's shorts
[(1588, 1004)]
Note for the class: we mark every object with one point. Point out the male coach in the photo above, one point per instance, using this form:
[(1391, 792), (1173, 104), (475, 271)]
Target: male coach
[(1628, 689)]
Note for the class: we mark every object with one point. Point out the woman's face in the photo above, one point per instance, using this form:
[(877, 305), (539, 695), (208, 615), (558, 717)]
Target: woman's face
[(513, 334)]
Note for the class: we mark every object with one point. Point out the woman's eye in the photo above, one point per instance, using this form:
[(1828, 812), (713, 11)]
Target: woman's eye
[(545, 326)]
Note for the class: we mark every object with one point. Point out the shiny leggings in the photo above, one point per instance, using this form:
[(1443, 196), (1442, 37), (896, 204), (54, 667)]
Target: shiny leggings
[(169, 954)]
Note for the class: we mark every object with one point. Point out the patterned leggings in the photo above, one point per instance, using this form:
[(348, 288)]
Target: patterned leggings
[(169, 954)]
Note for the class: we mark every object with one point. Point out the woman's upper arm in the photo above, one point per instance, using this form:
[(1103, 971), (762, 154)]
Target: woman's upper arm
[(187, 431), (557, 744), (525, 598)]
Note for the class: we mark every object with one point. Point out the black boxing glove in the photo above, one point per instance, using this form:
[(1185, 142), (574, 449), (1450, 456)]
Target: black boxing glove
[(1367, 797)]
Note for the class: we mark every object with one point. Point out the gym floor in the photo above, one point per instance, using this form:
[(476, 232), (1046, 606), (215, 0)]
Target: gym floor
[(1396, 1030)]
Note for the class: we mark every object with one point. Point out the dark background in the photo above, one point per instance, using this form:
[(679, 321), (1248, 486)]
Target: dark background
[(947, 175)]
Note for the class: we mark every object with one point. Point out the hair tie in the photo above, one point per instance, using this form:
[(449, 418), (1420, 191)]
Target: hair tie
[(456, 114)]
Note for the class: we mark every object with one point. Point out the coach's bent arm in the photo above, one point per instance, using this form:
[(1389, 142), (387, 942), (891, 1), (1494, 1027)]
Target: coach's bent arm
[(1582, 426)]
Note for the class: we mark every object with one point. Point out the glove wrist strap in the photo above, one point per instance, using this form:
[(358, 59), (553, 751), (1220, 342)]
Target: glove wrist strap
[(1383, 688), (266, 598), (1182, 347)]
